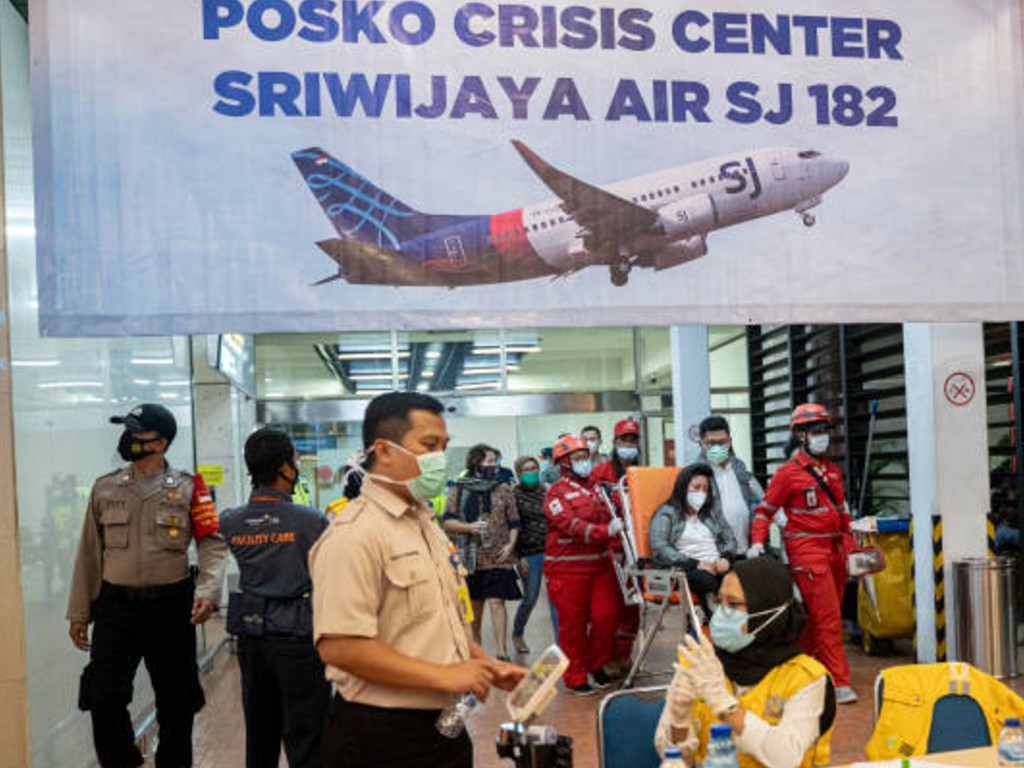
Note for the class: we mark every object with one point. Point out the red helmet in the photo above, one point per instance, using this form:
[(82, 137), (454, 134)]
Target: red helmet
[(566, 445), (627, 427), (808, 413)]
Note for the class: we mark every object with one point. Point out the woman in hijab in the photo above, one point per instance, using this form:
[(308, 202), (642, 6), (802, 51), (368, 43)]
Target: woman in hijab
[(780, 703)]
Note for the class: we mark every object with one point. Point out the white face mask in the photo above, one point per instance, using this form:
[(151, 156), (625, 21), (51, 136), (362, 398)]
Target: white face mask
[(696, 499), (593, 445), (817, 444)]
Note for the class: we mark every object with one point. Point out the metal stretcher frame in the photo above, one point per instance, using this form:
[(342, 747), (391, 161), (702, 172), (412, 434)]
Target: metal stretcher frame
[(643, 584)]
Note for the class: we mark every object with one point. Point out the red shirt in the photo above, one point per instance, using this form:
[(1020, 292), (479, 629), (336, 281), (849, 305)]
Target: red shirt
[(578, 521), (816, 525)]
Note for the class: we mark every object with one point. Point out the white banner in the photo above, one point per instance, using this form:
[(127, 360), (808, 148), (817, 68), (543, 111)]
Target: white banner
[(287, 165)]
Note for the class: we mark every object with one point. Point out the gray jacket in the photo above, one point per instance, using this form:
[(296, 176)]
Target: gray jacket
[(749, 487), (667, 526)]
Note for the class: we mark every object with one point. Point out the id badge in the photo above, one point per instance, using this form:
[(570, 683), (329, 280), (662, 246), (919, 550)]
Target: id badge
[(465, 605)]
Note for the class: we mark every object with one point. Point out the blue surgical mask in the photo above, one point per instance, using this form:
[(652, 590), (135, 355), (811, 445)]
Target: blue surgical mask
[(727, 626), (582, 467), (627, 452)]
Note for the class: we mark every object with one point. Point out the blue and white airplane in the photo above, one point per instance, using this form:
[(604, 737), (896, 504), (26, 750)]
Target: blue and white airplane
[(656, 221)]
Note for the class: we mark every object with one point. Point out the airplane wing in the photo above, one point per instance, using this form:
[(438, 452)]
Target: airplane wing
[(607, 217), (366, 264)]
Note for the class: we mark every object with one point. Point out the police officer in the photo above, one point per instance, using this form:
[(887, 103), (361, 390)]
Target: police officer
[(391, 606), (284, 693), (132, 582)]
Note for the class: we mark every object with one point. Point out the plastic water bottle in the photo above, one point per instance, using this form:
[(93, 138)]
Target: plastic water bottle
[(721, 749), (1011, 743), (452, 720), (673, 758)]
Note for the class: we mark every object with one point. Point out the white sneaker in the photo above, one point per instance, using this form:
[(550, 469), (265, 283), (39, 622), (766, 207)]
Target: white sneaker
[(845, 695)]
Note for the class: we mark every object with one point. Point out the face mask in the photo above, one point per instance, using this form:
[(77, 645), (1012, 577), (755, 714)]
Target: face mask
[(544, 465), (530, 479), (727, 626), (696, 499), (593, 445), (294, 480), (582, 467), (817, 444), (131, 448), (627, 452), (717, 453), (433, 476)]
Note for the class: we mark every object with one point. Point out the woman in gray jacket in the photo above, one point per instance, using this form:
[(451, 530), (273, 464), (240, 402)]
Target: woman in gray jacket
[(689, 533)]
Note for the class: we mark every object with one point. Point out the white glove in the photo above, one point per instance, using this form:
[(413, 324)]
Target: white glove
[(708, 675), (615, 527), (755, 551), (680, 698)]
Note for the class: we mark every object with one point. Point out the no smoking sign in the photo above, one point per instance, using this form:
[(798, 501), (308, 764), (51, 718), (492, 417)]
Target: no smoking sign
[(959, 388)]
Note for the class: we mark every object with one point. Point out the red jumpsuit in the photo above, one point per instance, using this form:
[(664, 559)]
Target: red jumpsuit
[(581, 580), (629, 615), (817, 539)]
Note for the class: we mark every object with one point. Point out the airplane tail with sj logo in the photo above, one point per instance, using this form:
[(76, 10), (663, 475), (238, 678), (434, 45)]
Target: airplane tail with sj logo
[(656, 221)]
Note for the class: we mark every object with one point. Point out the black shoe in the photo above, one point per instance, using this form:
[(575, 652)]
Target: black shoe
[(584, 689), (601, 679)]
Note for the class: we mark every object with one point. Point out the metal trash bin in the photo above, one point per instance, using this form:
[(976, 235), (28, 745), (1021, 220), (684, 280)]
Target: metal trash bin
[(986, 621)]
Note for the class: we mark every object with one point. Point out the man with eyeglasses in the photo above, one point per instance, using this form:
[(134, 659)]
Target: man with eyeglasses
[(736, 491), (817, 538)]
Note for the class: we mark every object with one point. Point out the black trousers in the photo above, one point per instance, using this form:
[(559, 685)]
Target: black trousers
[(360, 736), (702, 584), (151, 626), (284, 696)]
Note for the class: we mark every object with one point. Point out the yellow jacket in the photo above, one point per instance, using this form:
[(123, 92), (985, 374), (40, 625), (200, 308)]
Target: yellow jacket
[(767, 700), (909, 694)]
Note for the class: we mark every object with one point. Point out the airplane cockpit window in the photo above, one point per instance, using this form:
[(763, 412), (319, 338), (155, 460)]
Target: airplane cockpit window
[(809, 154)]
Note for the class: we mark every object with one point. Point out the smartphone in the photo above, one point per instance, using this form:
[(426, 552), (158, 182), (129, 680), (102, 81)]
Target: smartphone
[(535, 691)]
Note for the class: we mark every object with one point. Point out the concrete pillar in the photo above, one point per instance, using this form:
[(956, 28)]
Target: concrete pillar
[(691, 386), (14, 725), (223, 418), (947, 437)]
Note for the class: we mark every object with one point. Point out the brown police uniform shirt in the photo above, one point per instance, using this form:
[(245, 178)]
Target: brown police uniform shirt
[(383, 569), (136, 533)]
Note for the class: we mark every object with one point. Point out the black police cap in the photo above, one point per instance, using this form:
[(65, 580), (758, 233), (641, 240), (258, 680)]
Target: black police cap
[(149, 417)]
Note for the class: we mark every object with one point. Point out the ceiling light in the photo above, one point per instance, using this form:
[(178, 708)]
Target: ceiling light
[(152, 361), (478, 385), (35, 363), (66, 384), (375, 376)]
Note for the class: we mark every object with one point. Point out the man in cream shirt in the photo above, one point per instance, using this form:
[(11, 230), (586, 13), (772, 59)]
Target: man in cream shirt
[(391, 608)]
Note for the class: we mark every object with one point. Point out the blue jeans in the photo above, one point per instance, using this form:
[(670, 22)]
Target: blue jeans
[(534, 578)]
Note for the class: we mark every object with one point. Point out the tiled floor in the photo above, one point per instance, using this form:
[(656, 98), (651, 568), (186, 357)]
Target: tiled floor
[(219, 732)]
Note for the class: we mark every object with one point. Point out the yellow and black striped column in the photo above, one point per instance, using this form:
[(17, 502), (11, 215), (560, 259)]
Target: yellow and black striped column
[(990, 536), (938, 568), (913, 583)]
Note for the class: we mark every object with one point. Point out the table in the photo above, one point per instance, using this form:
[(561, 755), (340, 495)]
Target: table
[(979, 757)]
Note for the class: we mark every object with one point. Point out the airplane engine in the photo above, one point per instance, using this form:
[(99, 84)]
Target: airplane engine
[(680, 252), (695, 214)]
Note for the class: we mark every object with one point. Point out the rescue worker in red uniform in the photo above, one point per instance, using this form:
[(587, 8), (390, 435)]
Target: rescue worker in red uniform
[(578, 566), (809, 488), (625, 454)]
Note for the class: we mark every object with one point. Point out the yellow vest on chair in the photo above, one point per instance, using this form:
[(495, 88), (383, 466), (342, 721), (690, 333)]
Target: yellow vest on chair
[(767, 700), (909, 694)]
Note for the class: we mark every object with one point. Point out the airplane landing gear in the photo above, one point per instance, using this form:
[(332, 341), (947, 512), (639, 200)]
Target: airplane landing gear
[(808, 219), (620, 271)]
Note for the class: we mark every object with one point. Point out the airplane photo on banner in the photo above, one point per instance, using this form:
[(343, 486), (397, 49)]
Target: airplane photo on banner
[(656, 221)]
